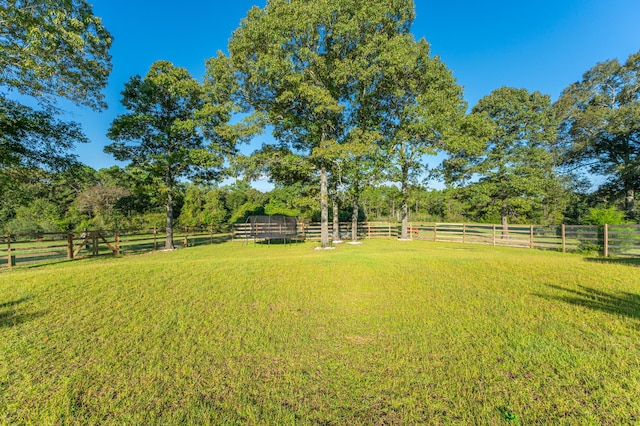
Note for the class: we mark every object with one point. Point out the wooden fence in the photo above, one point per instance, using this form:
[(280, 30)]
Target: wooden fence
[(607, 240), (24, 249), (311, 231)]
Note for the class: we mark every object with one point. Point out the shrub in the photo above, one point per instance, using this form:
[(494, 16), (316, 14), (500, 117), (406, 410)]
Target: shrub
[(604, 215)]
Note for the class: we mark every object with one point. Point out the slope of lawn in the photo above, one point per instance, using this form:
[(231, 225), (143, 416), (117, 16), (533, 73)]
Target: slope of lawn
[(384, 333)]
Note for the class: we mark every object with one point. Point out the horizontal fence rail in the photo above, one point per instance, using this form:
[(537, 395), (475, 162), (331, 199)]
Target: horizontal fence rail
[(28, 249)]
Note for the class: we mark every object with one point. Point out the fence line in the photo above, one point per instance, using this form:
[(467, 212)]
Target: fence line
[(23, 249), (607, 240)]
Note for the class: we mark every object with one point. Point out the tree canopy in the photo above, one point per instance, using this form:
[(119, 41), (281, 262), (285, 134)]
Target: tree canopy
[(48, 50), (300, 63), (175, 127), (601, 123), (421, 112), (518, 162), (54, 48), (31, 138), (358, 108)]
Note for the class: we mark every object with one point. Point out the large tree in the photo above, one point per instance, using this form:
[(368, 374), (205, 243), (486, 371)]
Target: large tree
[(360, 167), (601, 123), (423, 112), (48, 50), (518, 164), (299, 62), (175, 127)]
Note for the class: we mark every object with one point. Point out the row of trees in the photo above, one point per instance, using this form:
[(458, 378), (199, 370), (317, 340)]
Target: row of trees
[(355, 104), (114, 198)]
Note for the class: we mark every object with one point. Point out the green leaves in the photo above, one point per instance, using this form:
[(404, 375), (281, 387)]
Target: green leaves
[(48, 49), (300, 63), (35, 138), (55, 48), (601, 123), (162, 126), (176, 127), (516, 170), (222, 104)]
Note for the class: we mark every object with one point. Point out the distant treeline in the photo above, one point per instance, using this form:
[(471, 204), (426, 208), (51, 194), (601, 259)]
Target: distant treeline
[(81, 197)]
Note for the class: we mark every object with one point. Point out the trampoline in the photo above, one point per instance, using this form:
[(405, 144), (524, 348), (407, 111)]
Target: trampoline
[(267, 228)]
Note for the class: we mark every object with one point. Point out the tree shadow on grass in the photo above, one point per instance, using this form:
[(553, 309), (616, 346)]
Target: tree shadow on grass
[(278, 242), (14, 302), (10, 316), (620, 261), (205, 241), (620, 303)]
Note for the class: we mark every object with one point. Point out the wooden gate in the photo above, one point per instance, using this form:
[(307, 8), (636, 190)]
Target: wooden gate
[(90, 242)]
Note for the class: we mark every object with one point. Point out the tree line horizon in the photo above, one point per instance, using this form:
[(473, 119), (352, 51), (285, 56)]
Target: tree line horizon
[(354, 103)]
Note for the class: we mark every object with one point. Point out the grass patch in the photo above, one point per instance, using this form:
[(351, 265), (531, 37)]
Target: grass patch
[(383, 333)]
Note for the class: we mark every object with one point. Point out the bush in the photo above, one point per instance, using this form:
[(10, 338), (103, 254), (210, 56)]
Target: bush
[(604, 216), (246, 210), (23, 226)]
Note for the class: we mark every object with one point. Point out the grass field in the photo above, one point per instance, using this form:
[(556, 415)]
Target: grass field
[(383, 333)]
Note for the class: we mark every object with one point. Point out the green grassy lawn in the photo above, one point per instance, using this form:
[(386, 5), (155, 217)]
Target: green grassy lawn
[(383, 333)]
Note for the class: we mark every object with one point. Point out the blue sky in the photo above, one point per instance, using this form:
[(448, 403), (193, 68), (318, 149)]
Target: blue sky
[(542, 45)]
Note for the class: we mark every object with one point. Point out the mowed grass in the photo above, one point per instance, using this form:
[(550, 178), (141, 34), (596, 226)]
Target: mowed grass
[(384, 333)]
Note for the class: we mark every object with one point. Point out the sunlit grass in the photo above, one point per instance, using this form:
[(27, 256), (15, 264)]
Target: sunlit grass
[(383, 333)]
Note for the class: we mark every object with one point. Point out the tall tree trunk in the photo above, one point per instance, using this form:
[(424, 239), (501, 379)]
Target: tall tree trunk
[(324, 208), (354, 220), (505, 223), (336, 220), (168, 245), (405, 204), (629, 203)]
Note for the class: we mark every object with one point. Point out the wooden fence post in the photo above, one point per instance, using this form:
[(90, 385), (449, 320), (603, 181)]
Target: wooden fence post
[(464, 232), (494, 234), (70, 245), (531, 245), (389, 224), (10, 259), (369, 230), (186, 238), (606, 240), (155, 241), (564, 237), (117, 242), (435, 231), (94, 243)]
